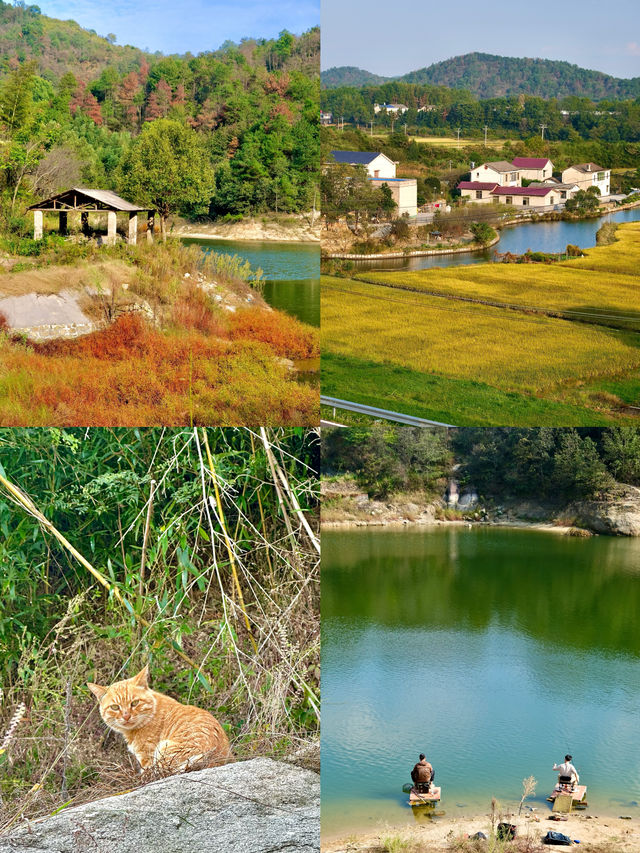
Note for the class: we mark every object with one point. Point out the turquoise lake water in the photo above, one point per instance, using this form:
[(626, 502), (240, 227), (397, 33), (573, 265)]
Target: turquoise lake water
[(291, 272), (537, 236), (492, 650)]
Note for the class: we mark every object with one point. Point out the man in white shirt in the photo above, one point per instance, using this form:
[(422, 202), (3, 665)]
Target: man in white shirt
[(568, 775)]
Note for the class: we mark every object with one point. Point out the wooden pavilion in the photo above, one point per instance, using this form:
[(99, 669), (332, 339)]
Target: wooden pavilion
[(85, 201)]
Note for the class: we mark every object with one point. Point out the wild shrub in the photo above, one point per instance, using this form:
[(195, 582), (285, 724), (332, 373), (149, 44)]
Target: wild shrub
[(193, 309), (286, 335)]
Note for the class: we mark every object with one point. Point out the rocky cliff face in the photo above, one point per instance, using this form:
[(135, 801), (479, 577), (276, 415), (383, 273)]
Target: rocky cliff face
[(616, 516), (258, 806)]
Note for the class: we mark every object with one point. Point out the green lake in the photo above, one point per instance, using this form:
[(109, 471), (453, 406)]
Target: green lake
[(495, 651), (291, 272)]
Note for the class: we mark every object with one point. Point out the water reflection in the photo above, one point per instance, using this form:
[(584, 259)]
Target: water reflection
[(493, 651)]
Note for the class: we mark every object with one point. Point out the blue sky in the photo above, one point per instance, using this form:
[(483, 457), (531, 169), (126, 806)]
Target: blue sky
[(391, 40), (186, 25)]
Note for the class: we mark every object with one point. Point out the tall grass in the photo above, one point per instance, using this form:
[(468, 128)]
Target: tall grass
[(194, 550)]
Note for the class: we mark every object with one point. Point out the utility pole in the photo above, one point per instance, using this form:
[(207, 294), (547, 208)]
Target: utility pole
[(371, 123), (458, 132), (543, 127), (485, 135), (342, 123)]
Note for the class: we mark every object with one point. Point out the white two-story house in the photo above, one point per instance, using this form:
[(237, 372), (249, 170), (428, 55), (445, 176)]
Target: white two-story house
[(382, 170), (499, 172), (378, 165), (587, 175)]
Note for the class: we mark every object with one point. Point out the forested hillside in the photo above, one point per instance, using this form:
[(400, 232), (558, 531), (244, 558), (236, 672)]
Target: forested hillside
[(488, 76), (349, 75), (441, 110), (77, 109), (554, 464)]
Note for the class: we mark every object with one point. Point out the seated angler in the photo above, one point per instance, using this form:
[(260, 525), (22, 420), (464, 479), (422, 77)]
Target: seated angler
[(422, 775), (568, 775)]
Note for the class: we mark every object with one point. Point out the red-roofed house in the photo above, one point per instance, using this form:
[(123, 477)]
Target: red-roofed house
[(477, 191), (527, 196), (533, 168)]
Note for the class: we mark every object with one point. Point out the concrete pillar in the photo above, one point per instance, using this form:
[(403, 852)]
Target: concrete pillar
[(37, 225), (111, 228), (62, 219), (150, 225), (84, 223), (133, 228)]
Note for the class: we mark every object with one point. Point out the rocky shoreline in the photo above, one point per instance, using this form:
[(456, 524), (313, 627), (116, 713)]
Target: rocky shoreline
[(345, 505), (265, 230)]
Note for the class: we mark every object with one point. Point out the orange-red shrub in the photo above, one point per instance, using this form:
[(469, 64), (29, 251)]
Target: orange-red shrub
[(286, 335), (193, 310), (133, 375)]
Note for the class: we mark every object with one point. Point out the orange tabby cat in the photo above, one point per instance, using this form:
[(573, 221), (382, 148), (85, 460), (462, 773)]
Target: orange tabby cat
[(158, 730)]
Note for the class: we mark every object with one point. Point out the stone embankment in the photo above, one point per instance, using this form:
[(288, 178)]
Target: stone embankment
[(418, 253), (257, 806)]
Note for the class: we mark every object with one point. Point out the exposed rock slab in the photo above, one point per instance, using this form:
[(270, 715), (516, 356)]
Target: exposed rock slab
[(37, 309), (617, 516), (258, 806)]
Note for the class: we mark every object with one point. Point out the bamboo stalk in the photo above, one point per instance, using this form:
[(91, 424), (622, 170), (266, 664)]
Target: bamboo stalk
[(232, 561), (145, 538), (273, 462)]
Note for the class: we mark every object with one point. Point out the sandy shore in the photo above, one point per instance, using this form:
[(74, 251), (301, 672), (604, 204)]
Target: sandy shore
[(435, 522), (596, 833)]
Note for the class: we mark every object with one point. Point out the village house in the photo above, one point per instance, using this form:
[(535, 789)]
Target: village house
[(566, 190), (477, 191), (391, 108), (500, 172), (404, 191), (533, 168), (543, 196), (326, 118), (382, 170), (378, 165), (587, 175)]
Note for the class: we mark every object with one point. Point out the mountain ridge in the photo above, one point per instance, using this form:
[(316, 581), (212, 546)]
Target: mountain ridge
[(488, 75)]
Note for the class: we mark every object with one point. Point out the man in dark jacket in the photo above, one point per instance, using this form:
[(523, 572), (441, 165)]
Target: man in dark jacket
[(422, 775)]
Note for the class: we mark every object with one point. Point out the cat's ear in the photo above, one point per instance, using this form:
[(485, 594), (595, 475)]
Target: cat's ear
[(142, 678), (97, 690)]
